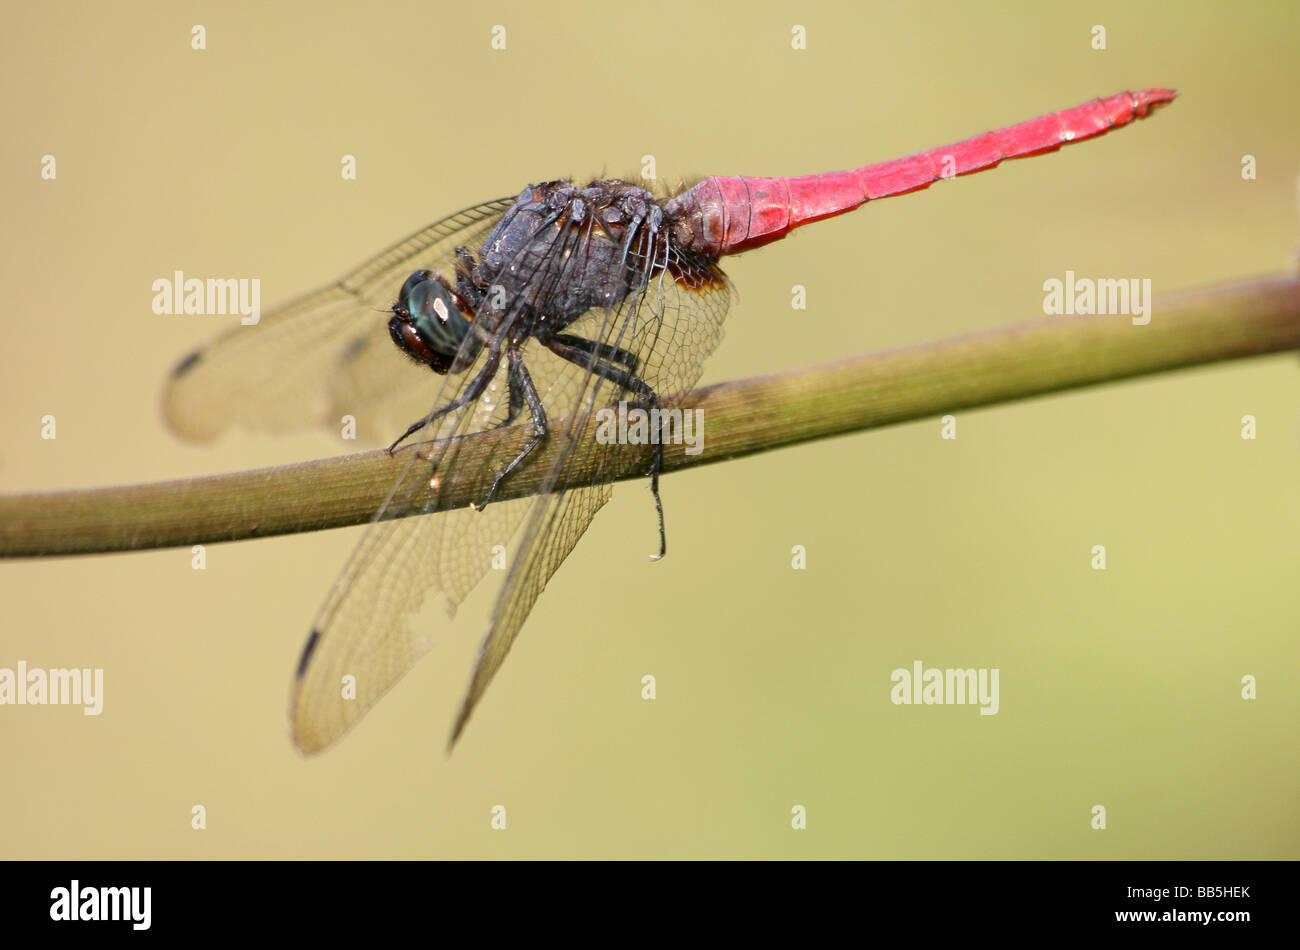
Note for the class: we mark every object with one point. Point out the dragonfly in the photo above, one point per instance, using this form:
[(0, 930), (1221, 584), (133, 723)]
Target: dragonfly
[(522, 316)]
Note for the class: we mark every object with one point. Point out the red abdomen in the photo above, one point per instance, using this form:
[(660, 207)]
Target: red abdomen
[(726, 215)]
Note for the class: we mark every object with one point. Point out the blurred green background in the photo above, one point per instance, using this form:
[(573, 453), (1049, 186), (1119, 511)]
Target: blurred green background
[(1118, 688)]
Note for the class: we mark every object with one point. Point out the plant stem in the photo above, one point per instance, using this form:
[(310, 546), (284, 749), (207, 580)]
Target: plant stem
[(742, 417)]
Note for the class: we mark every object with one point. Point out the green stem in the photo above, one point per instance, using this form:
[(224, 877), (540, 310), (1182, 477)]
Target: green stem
[(743, 417)]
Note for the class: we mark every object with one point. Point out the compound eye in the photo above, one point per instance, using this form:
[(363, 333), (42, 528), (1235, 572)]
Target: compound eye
[(430, 300), (417, 278), (410, 342), (436, 316)]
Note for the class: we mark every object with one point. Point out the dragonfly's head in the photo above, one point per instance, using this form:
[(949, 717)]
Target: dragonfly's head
[(430, 322)]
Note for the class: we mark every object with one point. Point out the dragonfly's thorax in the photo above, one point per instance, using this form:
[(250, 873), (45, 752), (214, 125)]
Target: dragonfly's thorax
[(562, 250)]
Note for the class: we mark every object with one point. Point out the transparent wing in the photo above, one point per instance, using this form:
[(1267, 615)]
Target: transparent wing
[(323, 354), (671, 327), (363, 638), (364, 630)]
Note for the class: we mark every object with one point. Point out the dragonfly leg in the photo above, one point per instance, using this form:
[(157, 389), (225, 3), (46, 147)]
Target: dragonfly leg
[(590, 356), (522, 389), (603, 351), (475, 389), (517, 399)]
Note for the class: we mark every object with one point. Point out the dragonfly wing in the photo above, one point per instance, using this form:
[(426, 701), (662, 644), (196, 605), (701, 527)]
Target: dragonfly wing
[(277, 374), (364, 639), (671, 326), (370, 384), (554, 528)]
